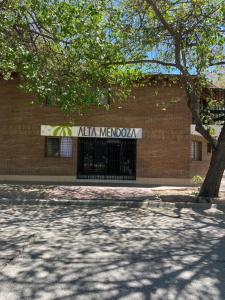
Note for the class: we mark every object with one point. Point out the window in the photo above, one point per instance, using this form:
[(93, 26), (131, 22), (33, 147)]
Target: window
[(53, 145), (66, 147), (59, 147), (196, 151)]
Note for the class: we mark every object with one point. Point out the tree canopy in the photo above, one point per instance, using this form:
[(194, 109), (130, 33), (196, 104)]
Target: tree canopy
[(61, 50), (73, 52), (187, 35), (76, 52)]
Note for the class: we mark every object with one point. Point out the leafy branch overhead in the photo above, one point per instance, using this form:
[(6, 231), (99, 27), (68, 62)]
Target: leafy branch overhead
[(65, 48), (59, 50), (187, 37), (71, 52)]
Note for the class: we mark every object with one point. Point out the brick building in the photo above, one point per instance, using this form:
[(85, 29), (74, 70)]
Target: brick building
[(147, 138)]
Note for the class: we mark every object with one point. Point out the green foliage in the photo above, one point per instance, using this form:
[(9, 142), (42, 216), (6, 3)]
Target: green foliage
[(189, 31), (62, 50), (212, 131), (69, 52), (197, 180)]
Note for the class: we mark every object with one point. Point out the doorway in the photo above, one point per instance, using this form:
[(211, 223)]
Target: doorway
[(101, 158)]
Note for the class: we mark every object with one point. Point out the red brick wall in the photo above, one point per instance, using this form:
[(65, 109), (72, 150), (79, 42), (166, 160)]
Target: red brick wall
[(22, 149), (160, 111)]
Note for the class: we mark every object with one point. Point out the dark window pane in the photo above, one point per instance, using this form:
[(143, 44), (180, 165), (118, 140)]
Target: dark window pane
[(53, 147)]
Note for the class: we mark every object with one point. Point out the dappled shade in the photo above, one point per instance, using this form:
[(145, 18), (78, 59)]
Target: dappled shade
[(110, 253)]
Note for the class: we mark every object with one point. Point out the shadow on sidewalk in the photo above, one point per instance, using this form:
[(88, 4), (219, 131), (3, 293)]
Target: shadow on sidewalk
[(114, 253)]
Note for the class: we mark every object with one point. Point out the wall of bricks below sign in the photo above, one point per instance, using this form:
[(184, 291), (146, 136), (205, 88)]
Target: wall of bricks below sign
[(163, 152)]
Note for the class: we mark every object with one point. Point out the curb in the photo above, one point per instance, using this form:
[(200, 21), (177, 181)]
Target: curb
[(151, 203), (87, 202)]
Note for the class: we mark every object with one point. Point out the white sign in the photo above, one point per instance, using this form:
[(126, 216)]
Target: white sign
[(88, 131)]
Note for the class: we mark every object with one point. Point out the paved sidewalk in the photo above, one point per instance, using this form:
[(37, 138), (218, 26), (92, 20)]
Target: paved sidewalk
[(94, 192), (142, 197), (108, 195), (31, 191)]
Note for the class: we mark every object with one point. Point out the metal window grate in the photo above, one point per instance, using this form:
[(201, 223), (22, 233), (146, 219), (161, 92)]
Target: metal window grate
[(112, 159)]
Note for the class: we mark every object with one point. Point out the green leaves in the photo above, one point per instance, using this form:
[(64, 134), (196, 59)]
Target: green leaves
[(67, 51), (212, 131), (62, 50)]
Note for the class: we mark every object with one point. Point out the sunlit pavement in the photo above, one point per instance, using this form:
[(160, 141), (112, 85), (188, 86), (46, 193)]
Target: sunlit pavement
[(110, 253), (222, 186)]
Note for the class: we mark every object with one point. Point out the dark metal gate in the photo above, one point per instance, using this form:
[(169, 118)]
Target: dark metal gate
[(100, 158)]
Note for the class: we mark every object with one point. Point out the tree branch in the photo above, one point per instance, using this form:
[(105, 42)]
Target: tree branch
[(41, 34), (205, 133), (161, 17), (175, 34), (219, 63), (143, 61), (192, 103)]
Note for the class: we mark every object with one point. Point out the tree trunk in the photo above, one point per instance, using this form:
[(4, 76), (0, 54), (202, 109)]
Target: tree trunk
[(211, 185)]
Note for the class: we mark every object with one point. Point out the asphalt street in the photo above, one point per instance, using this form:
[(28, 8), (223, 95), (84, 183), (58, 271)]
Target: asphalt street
[(110, 253)]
